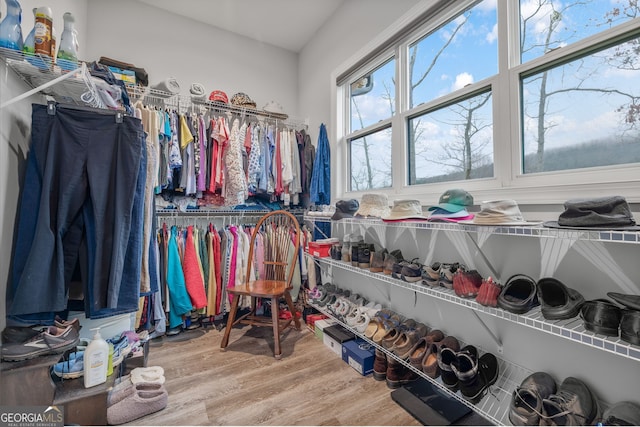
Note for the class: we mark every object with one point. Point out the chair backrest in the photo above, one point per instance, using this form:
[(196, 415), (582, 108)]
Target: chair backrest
[(279, 233)]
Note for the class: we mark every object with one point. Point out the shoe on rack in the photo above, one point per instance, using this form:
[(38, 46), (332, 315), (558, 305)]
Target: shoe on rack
[(630, 326), (419, 350), (601, 316), (446, 274), (412, 272), (365, 252), (431, 274), (447, 356), (488, 371), (465, 367), (398, 374), (557, 301), (622, 414), (52, 340), (573, 404), (390, 259), (355, 249), (519, 294), (380, 366), (396, 271), (466, 284), (526, 402), (71, 368), (377, 261), (403, 346), (488, 293), (430, 365)]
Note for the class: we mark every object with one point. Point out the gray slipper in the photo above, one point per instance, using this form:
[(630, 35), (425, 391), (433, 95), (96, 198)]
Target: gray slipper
[(137, 405)]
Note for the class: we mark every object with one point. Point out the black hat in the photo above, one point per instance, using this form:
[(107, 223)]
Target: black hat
[(345, 209), (602, 213)]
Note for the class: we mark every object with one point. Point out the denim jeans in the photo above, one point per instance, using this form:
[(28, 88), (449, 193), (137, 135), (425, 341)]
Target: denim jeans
[(80, 184)]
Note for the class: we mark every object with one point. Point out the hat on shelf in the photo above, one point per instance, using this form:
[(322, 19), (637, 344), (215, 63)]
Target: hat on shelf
[(275, 109), (373, 205), (218, 96), (441, 215), (241, 99), (405, 209), (345, 209), (499, 212), (454, 200), (601, 213)]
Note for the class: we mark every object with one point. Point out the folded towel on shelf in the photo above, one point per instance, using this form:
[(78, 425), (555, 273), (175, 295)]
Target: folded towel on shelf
[(197, 91), (169, 85)]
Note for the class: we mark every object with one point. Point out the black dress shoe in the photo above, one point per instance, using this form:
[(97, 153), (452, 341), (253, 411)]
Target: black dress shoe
[(629, 301), (622, 414), (558, 301), (519, 294), (630, 326), (526, 402), (601, 316)]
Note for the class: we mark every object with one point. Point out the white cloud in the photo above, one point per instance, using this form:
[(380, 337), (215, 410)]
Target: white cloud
[(462, 80), (493, 35)]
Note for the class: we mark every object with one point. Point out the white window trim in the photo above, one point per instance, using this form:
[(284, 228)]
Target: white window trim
[(508, 182)]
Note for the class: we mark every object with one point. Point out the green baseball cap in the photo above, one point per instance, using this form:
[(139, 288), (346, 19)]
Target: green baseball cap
[(454, 200)]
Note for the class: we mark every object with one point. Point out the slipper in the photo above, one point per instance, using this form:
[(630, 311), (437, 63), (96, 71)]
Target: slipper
[(151, 374), (127, 388), (137, 405)]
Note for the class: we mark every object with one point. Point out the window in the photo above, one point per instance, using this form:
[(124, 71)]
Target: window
[(463, 98), (452, 143), (584, 113)]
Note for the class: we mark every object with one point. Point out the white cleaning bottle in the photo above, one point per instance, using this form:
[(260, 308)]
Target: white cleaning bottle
[(96, 359)]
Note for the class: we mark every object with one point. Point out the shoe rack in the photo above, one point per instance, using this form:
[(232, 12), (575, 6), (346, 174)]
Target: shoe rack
[(495, 405)]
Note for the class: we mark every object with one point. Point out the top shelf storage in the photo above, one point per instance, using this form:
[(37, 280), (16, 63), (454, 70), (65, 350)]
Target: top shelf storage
[(531, 231)]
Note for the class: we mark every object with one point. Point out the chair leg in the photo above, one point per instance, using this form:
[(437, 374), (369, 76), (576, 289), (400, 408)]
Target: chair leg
[(230, 320), (275, 318), (292, 309)]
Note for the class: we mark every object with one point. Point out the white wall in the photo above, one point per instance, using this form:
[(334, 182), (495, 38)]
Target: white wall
[(172, 46), (350, 28)]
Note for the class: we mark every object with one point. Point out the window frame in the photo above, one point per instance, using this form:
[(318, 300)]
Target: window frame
[(508, 182)]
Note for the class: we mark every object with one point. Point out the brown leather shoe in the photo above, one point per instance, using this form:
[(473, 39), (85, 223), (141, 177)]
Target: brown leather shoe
[(380, 366), (418, 351), (398, 374)]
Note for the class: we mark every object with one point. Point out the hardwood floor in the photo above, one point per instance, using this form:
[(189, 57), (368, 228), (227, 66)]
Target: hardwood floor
[(245, 385)]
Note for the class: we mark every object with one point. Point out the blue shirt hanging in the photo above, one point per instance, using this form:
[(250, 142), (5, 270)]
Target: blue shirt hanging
[(321, 178)]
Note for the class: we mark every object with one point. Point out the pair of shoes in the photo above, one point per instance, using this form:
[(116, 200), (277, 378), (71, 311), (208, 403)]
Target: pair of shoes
[(52, 340), (136, 401), (432, 356), (21, 334), (538, 401), (398, 374), (457, 365), (488, 293), (418, 351), (431, 274), (466, 284)]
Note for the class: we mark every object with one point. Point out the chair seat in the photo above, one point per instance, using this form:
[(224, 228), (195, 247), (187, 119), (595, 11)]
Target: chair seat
[(260, 288)]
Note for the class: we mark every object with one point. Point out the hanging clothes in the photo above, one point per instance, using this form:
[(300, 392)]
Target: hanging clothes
[(194, 280), (235, 188), (321, 177)]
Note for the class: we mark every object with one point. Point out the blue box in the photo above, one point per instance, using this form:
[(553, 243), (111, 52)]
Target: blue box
[(359, 354)]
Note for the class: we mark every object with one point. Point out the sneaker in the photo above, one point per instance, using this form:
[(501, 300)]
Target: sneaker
[(412, 272), (526, 402), (488, 371), (465, 367), (377, 261), (71, 368), (431, 274), (573, 404), (52, 340), (446, 274), (466, 284), (488, 293), (396, 271)]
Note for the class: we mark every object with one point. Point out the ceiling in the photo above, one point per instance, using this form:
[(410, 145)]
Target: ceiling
[(288, 24)]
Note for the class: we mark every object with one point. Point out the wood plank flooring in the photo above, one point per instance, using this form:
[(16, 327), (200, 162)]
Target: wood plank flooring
[(245, 385)]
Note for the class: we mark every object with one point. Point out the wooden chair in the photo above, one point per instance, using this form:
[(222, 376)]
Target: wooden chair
[(281, 243)]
